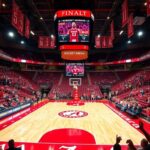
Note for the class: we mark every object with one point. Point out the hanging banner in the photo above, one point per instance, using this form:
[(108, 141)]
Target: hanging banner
[(130, 26), (46, 42), (112, 33), (41, 42), (17, 18), (52, 42), (15, 15), (104, 41), (27, 28), (97, 42), (21, 22), (109, 42), (124, 13), (148, 7)]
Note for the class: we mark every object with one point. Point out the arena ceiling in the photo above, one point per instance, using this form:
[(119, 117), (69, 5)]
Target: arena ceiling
[(104, 11)]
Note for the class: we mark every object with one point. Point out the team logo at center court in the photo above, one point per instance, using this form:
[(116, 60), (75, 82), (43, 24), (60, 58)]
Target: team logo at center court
[(73, 114)]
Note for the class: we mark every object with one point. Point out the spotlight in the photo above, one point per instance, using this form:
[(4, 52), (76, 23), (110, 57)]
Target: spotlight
[(129, 42), (140, 33), (11, 34), (108, 18), (22, 42), (145, 4), (52, 36), (41, 18), (3, 5), (32, 32), (98, 35), (121, 32)]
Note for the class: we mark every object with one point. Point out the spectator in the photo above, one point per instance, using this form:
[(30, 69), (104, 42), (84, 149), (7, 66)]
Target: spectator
[(144, 144), (141, 127), (130, 145), (117, 145), (125, 106), (11, 145)]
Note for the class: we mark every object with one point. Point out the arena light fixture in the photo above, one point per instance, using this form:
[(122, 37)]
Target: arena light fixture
[(22, 42), (121, 32), (41, 18), (3, 5), (52, 36), (108, 18), (31, 32), (140, 33), (129, 41), (98, 35), (11, 34)]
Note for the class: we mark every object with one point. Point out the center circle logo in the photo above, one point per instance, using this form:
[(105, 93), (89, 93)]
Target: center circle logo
[(73, 114)]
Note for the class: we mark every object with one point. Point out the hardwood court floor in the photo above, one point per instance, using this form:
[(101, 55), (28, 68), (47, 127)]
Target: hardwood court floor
[(102, 122)]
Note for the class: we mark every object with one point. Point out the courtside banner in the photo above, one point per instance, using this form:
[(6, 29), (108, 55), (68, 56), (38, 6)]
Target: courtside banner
[(15, 15), (97, 42), (124, 13), (27, 28), (104, 41), (73, 13), (112, 34), (148, 7), (130, 26), (58, 146)]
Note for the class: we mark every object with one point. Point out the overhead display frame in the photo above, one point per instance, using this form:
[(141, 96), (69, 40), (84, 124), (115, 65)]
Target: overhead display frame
[(73, 32)]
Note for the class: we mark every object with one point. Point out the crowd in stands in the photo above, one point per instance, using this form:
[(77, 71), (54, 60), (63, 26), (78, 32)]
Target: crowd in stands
[(130, 92), (63, 90), (15, 90), (130, 106)]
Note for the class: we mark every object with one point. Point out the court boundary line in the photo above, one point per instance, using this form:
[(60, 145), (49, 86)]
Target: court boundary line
[(124, 117), (19, 115)]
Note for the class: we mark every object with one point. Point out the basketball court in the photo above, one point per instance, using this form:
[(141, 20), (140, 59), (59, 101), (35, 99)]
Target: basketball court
[(74, 75), (95, 118)]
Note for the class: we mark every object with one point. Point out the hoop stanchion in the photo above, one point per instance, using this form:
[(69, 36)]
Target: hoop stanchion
[(76, 101)]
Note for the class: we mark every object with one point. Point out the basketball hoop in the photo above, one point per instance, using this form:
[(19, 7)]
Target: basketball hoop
[(75, 82)]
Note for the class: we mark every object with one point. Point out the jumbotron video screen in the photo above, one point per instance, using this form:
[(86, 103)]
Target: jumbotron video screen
[(75, 70), (73, 30)]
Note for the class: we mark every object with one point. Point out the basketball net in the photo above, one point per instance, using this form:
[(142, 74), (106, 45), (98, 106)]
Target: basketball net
[(75, 87)]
